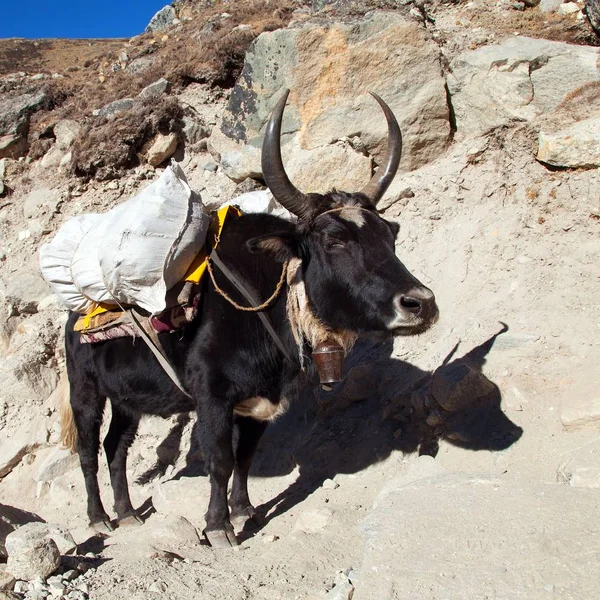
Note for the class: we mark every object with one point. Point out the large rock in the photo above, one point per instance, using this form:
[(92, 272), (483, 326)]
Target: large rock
[(330, 70), (30, 531), (31, 554), (15, 111), (455, 536), (518, 80), (162, 19), (12, 518), (66, 132), (575, 146)]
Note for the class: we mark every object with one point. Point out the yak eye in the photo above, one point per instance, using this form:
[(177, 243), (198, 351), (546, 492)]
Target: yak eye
[(335, 244)]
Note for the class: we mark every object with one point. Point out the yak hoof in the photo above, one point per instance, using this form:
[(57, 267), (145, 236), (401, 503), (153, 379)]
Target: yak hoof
[(221, 539), (103, 526), (247, 518), (131, 521)]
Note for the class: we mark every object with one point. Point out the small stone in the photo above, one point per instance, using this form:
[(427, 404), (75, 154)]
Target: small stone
[(21, 587), (330, 484), (313, 521), (83, 587), (519, 6), (158, 586), (161, 148), (268, 539), (57, 586), (70, 575), (114, 108)]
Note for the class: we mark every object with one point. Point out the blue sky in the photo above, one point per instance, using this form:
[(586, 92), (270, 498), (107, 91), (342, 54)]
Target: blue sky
[(76, 18)]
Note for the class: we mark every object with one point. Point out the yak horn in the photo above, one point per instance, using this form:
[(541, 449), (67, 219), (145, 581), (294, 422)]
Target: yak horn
[(272, 166), (380, 182)]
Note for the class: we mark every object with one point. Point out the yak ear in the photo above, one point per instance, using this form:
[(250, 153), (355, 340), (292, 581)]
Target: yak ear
[(280, 246)]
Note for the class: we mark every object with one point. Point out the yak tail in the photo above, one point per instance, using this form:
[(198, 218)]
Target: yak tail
[(68, 429)]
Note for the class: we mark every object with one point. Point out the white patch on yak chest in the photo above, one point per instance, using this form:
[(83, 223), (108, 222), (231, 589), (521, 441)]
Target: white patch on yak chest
[(260, 408)]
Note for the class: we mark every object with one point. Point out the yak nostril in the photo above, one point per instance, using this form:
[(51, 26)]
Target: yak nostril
[(411, 304)]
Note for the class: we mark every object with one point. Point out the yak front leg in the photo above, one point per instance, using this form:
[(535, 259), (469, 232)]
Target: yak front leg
[(215, 430), (247, 435)]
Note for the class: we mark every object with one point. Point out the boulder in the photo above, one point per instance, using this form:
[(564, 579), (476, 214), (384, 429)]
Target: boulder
[(162, 19), (331, 121), (575, 146), (15, 110), (518, 80), (66, 132), (59, 535), (31, 554), (581, 467), (12, 518), (492, 537)]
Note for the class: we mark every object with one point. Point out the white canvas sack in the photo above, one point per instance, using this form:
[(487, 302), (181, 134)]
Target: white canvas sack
[(133, 253), (151, 240), (56, 259), (261, 201)]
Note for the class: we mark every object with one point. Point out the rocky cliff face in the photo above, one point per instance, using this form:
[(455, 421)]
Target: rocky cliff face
[(498, 201)]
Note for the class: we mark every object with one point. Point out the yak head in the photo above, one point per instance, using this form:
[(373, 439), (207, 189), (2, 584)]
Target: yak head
[(353, 279)]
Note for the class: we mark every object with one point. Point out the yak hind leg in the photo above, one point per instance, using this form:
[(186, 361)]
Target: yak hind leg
[(88, 406), (247, 434), (121, 433)]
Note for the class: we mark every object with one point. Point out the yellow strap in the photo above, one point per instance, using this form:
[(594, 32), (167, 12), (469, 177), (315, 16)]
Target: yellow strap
[(198, 266)]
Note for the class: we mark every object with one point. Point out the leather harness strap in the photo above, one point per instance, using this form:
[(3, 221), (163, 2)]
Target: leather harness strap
[(156, 348), (242, 288)]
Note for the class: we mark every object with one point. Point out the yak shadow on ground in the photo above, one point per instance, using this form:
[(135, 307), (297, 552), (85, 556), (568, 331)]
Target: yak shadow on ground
[(324, 434)]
